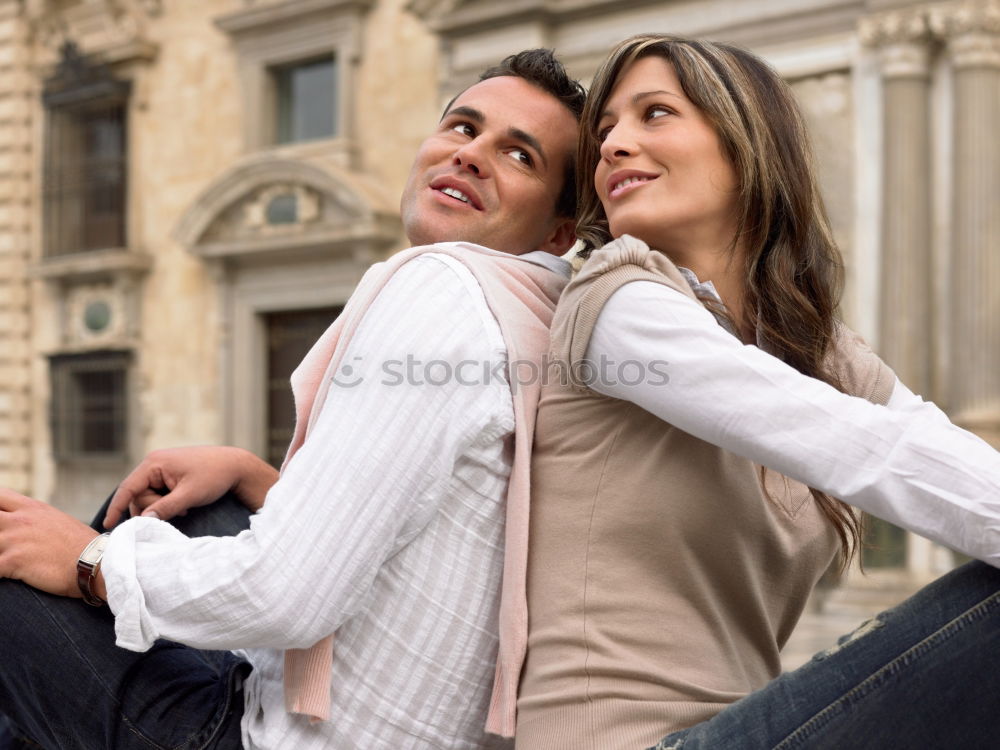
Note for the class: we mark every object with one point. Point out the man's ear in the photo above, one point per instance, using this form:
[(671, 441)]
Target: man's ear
[(561, 238)]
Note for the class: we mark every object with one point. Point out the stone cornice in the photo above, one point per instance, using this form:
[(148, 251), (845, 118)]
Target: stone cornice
[(903, 39), (432, 9), (904, 26), (966, 17), (262, 16), (972, 30), (458, 17)]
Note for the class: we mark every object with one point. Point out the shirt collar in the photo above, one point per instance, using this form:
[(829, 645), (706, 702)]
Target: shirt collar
[(706, 289), (702, 288), (552, 262), (537, 257)]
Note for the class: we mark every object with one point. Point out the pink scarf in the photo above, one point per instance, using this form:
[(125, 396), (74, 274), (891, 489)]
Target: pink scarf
[(522, 296)]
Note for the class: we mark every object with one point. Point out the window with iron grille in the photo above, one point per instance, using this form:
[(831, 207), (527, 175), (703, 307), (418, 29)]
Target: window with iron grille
[(84, 181), (90, 405)]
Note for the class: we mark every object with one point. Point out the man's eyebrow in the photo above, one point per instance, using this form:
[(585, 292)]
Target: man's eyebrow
[(636, 98), (468, 112), (529, 139), (478, 117)]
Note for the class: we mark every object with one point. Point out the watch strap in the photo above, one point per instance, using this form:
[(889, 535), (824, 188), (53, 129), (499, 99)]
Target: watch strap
[(86, 569)]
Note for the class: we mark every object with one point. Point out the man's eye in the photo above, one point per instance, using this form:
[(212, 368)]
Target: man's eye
[(522, 156), (464, 128)]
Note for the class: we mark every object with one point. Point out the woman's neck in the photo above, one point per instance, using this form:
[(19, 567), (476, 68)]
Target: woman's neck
[(727, 272)]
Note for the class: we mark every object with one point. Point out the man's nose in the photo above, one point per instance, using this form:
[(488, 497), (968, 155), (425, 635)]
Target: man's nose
[(472, 156)]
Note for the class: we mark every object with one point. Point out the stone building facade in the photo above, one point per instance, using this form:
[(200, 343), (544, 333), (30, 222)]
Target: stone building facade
[(190, 189)]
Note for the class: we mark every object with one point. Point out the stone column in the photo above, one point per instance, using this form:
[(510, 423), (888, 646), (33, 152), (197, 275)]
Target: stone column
[(972, 32), (902, 40), (15, 243)]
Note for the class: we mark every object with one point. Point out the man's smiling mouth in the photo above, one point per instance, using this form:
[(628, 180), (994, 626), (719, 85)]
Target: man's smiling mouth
[(457, 194)]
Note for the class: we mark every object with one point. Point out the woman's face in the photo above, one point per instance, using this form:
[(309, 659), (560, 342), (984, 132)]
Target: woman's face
[(662, 175)]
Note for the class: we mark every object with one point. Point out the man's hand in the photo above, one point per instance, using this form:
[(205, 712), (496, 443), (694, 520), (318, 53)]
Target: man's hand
[(169, 482), (40, 544)]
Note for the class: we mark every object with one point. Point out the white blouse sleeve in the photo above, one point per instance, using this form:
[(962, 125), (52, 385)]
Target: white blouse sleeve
[(367, 479), (907, 464)]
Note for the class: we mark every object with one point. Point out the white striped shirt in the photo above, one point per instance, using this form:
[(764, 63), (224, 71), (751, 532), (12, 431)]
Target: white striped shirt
[(386, 527)]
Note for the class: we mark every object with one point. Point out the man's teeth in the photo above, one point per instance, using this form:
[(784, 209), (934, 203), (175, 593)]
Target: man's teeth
[(456, 194), (629, 181)]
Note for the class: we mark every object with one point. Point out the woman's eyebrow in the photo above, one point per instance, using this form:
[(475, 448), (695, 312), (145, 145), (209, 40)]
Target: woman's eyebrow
[(659, 92), (636, 98)]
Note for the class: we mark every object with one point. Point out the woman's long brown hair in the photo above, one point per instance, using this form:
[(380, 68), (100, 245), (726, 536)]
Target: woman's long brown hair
[(794, 272)]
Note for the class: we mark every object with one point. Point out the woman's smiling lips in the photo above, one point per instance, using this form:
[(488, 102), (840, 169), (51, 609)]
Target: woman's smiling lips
[(626, 180)]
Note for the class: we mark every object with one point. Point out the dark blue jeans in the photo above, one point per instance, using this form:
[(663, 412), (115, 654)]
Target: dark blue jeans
[(925, 674), (66, 685)]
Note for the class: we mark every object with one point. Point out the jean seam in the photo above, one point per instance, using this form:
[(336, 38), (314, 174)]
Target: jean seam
[(220, 715), (140, 735), (866, 686), (112, 695), (72, 642), (96, 673), (199, 740)]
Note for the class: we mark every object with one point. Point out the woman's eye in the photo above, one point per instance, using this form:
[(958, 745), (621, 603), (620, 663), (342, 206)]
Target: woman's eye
[(654, 112), (602, 133), (464, 128)]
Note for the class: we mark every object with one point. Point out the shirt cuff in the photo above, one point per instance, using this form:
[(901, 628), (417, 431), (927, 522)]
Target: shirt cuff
[(134, 628)]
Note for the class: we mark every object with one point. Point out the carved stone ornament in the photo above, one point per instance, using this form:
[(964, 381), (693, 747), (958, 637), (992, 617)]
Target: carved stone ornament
[(972, 29), (267, 207), (95, 25), (432, 9), (95, 313), (903, 39), (81, 78)]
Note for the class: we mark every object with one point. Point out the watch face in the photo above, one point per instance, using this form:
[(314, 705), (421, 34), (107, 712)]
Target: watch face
[(94, 550)]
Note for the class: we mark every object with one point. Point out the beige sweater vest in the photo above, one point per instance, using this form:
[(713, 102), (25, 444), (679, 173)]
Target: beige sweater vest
[(662, 580)]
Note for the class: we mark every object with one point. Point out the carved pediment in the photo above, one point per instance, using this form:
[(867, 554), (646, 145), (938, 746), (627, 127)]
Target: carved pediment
[(115, 29), (273, 207), (278, 209)]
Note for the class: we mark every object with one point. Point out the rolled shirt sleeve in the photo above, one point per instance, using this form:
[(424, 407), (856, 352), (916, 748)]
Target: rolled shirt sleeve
[(364, 483), (907, 464)]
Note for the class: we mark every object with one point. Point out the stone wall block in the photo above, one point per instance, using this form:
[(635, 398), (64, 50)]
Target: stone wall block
[(16, 186)]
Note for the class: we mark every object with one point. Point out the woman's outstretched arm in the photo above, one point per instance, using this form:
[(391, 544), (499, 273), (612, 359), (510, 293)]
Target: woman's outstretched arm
[(908, 465)]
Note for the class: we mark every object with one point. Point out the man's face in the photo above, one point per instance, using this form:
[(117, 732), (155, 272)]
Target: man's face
[(492, 171)]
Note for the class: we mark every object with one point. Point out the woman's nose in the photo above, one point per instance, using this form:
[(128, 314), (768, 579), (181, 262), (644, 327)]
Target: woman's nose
[(618, 143)]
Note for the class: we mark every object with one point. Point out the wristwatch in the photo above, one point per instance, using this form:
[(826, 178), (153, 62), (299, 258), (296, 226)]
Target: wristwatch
[(87, 567)]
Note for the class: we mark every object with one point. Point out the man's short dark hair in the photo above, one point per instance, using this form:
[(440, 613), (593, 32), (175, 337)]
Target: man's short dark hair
[(541, 68)]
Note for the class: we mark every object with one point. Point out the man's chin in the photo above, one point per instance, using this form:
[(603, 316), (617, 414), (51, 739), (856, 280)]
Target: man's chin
[(431, 235)]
